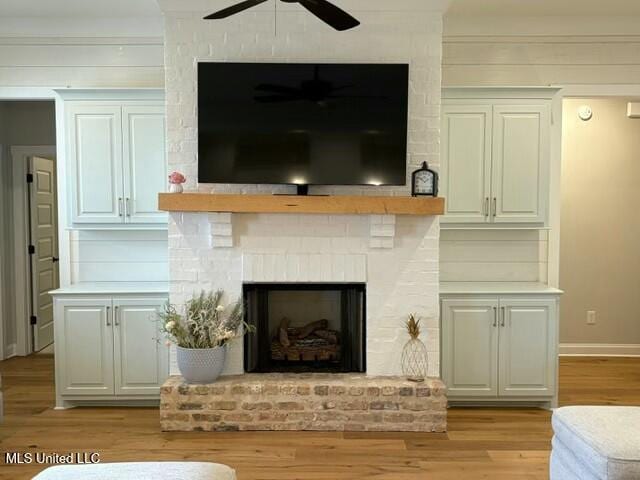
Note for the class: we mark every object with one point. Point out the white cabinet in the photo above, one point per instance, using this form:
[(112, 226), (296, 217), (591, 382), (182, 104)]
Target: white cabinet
[(84, 346), (500, 348), (117, 162), (495, 156), (520, 166), (470, 346), (95, 152), (528, 350), (466, 175), (141, 358), (145, 173), (109, 348)]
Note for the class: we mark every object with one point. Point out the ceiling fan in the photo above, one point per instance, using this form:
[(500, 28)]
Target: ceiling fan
[(325, 11), (316, 90)]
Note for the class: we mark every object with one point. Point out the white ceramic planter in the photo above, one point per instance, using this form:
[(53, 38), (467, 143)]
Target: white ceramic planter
[(201, 365)]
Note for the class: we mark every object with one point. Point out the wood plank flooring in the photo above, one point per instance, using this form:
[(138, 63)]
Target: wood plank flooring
[(482, 443)]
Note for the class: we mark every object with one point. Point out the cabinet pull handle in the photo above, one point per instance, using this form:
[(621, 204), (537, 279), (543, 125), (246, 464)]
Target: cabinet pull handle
[(116, 321), (108, 315), (485, 207), (495, 316), (128, 212), (120, 207), (504, 314), (495, 206)]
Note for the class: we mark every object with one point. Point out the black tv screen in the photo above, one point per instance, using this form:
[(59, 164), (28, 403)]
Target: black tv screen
[(305, 124)]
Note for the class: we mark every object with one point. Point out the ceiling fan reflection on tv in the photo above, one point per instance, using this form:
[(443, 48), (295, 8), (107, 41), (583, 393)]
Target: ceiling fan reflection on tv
[(324, 10), (316, 90)]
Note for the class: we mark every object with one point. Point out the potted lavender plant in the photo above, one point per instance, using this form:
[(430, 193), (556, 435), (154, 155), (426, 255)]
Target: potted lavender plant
[(202, 333)]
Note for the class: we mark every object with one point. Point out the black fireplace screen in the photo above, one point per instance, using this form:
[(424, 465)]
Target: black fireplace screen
[(305, 327)]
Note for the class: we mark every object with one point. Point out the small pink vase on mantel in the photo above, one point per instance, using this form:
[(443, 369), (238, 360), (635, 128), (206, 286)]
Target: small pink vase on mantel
[(176, 179)]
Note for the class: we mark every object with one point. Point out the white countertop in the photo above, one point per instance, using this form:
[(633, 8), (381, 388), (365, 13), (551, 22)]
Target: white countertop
[(496, 288), (111, 288)]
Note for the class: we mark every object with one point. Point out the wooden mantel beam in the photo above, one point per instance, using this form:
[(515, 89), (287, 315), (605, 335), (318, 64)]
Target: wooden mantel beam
[(335, 204)]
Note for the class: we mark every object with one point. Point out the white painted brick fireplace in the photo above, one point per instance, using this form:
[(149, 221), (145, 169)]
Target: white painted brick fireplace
[(396, 256)]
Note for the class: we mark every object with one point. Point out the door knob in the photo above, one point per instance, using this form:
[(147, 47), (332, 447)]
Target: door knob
[(55, 259)]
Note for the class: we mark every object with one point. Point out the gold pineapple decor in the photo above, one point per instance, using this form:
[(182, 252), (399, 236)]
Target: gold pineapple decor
[(414, 354), (413, 327)]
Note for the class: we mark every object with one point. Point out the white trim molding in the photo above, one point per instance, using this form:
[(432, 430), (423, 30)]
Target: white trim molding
[(599, 350)]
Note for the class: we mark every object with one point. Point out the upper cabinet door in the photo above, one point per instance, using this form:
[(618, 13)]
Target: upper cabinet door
[(521, 151), (528, 357), (95, 156), (144, 162), (466, 163), (470, 347), (141, 356)]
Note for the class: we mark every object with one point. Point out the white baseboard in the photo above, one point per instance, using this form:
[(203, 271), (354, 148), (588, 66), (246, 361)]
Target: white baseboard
[(11, 351), (599, 350)]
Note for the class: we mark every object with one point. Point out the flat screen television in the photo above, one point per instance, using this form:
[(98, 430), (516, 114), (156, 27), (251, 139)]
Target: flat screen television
[(302, 124)]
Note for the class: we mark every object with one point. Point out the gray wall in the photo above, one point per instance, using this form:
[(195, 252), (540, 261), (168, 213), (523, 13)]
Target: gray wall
[(600, 226)]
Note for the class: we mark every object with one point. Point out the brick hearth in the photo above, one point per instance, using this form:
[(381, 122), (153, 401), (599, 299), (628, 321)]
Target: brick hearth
[(324, 402)]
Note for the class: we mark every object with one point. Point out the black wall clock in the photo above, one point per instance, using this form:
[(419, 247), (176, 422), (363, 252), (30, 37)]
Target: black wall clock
[(424, 181)]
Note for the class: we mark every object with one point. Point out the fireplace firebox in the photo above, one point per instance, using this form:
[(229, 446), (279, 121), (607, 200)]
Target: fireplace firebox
[(305, 328)]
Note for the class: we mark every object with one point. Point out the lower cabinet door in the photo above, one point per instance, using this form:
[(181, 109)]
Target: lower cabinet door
[(470, 347), (141, 359), (84, 346), (528, 329)]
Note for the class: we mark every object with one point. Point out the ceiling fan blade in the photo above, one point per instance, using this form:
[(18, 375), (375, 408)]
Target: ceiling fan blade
[(227, 12), (282, 89), (330, 14)]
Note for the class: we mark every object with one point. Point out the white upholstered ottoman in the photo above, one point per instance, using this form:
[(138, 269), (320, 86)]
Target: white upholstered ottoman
[(596, 443), (139, 471)]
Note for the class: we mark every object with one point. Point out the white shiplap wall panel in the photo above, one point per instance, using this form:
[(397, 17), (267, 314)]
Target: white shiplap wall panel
[(81, 62), (75, 77), (493, 255), (114, 256), (80, 55), (540, 60), (541, 51)]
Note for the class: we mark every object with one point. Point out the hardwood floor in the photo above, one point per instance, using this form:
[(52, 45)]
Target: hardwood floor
[(487, 443)]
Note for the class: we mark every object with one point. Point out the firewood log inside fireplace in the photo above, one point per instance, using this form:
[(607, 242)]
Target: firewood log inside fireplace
[(315, 341)]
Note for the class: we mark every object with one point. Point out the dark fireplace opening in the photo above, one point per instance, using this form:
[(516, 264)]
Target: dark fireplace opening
[(305, 327)]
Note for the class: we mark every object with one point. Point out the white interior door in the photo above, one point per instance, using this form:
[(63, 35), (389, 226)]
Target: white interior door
[(43, 248), (145, 163), (470, 346), (141, 358), (466, 162), (520, 163)]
